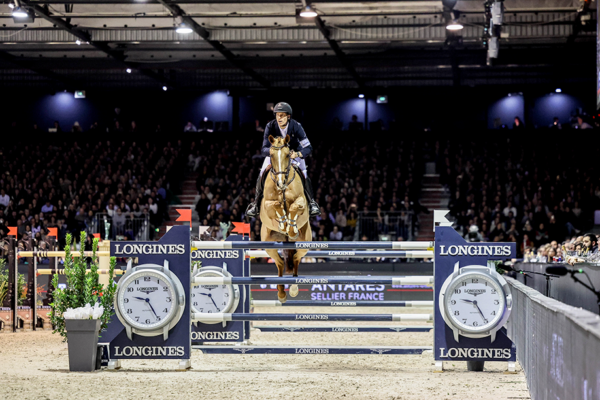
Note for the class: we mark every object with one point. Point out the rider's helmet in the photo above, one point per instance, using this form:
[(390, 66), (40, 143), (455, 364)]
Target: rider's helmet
[(282, 107)]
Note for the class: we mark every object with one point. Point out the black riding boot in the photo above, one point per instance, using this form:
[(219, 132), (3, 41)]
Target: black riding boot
[(254, 208), (313, 207)]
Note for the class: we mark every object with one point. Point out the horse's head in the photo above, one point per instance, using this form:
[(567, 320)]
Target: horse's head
[(280, 157)]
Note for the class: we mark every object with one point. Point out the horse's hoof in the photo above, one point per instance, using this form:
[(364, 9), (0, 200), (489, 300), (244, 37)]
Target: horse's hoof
[(294, 290), (282, 300)]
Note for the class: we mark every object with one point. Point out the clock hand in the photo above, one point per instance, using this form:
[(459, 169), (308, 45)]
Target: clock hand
[(468, 301), (140, 298), (479, 309), (152, 308), (205, 294), (214, 302)]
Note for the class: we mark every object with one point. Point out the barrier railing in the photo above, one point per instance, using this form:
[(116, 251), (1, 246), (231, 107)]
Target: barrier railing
[(136, 228)]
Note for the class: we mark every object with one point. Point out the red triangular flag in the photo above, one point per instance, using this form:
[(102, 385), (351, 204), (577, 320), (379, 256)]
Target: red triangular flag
[(96, 236), (185, 215), (53, 232), (241, 228), (12, 231)]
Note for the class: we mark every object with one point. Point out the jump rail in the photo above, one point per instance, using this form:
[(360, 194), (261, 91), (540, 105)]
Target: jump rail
[(310, 280), (375, 350), (352, 254), (48, 271), (314, 245), (396, 329), (225, 317), (45, 254), (313, 303)]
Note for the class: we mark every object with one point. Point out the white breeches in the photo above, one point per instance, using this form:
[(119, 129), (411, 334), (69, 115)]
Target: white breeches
[(299, 162)]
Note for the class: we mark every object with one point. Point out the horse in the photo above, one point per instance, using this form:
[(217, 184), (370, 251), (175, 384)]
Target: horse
[(284, 212)]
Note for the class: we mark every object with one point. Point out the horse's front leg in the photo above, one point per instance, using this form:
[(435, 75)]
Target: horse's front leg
[(280, 267), (275, 211), (297, 208)]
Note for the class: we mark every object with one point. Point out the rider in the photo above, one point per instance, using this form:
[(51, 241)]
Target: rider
[(284, 125)]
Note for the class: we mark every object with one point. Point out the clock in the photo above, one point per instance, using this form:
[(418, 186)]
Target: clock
[(150, 300), (214, 298), (475, 301)]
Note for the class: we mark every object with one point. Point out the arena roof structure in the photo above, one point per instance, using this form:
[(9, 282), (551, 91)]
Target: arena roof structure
[(258, 44)]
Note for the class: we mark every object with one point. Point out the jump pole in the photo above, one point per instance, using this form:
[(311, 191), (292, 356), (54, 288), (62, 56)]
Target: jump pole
[(226, 317), (374, 350), (352, 254), (315, 280), (313, 303), (217, 245), (342, 329)]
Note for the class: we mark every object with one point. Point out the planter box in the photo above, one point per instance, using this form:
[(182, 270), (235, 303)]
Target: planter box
[(82, 337)]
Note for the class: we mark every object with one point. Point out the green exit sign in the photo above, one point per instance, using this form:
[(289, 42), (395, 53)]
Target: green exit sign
[(382, 99), (80, 94)]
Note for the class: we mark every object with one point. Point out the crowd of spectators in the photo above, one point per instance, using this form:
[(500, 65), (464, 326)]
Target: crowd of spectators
[(66, 185), (380, 180), (525, 191)]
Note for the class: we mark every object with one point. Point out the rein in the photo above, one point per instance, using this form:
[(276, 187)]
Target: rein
[(285, 186)]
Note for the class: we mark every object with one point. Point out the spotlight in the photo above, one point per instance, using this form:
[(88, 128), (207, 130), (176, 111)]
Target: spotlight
[(183, 29), (19, 12), (165, 88), (454, 26), (361, 96), (11, 5), (558, 90), (308, 12), (78, 42), (128, 70)]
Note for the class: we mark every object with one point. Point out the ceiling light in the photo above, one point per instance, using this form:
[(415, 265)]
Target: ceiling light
[(308, 12), (454, 26), (78, 42), (128, 70), (361, 96), (11, 5), (558, 90), (183, 29), (165, 88), (19, 12)]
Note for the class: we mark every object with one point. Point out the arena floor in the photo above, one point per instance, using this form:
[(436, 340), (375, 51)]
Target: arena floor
[(34, 365)]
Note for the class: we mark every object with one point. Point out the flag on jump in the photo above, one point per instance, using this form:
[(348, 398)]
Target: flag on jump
[(185, 215), (12, 231), (53, 232), (241, 228)]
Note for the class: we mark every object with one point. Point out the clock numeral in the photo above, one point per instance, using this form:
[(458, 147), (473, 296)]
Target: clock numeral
[(158, 281), (165, 288), (225, 294), (130, 289), (193, 294), (202, 310), (456, 313), (137, 319), (485, 283), (125, 300), (485, 321), (137, 281), (147, 321), (453, 302), (457, 291), (147, 279), (168, 299), (195, 303), (463, 284), (493, 291), (493, 313), (496, 302), (475, 323), (210, 311), (165, 310), (158, 318), (224, 286), (224, 303), (464, 320), (474, 280), (129, 311)]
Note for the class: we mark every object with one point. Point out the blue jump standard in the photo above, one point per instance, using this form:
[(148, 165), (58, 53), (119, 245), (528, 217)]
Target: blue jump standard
[(396, 329), (314, 303), (375, 350)]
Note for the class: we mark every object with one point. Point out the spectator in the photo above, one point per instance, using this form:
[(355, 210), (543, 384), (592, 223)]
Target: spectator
[(581, 124), (190, 127), (518, 124), (354, 125), (335, 234)]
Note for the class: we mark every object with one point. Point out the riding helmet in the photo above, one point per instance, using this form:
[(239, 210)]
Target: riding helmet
[(282, 107)]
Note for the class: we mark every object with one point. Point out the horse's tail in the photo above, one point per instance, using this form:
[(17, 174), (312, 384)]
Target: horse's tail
[(288, 258)]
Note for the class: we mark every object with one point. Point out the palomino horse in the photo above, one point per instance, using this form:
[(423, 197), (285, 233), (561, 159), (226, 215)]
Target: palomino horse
[(284, 212)]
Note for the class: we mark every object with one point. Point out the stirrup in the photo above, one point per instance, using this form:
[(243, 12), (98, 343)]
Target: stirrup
[(252, 210)]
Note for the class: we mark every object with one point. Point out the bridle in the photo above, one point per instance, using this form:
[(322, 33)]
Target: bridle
[(273, 176)]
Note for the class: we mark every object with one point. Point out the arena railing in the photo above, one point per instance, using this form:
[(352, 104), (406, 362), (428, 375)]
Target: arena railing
[(557, 345), (137, 228), (385, 226)]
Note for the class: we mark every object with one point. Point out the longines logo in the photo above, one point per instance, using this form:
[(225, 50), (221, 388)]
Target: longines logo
[(304, 245), (148, 351), (312, 316), (312, 280), (215, 335), (341, 253), (149, 249), (311, 351), (147, 290), (466, 250), (475, 292), (215, 254), (474, 353)]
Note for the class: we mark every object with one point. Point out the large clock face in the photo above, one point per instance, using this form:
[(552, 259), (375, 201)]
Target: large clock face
[(211, 298), (474, 302), (147, 300)]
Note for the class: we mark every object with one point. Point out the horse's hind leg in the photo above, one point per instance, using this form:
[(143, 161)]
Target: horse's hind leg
[(292, 266)]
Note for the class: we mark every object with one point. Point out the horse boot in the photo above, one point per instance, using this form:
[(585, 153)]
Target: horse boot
[(313, 207), (254, 208)]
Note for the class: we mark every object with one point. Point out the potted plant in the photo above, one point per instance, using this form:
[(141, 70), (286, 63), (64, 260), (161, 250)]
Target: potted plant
[(82, 309)]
